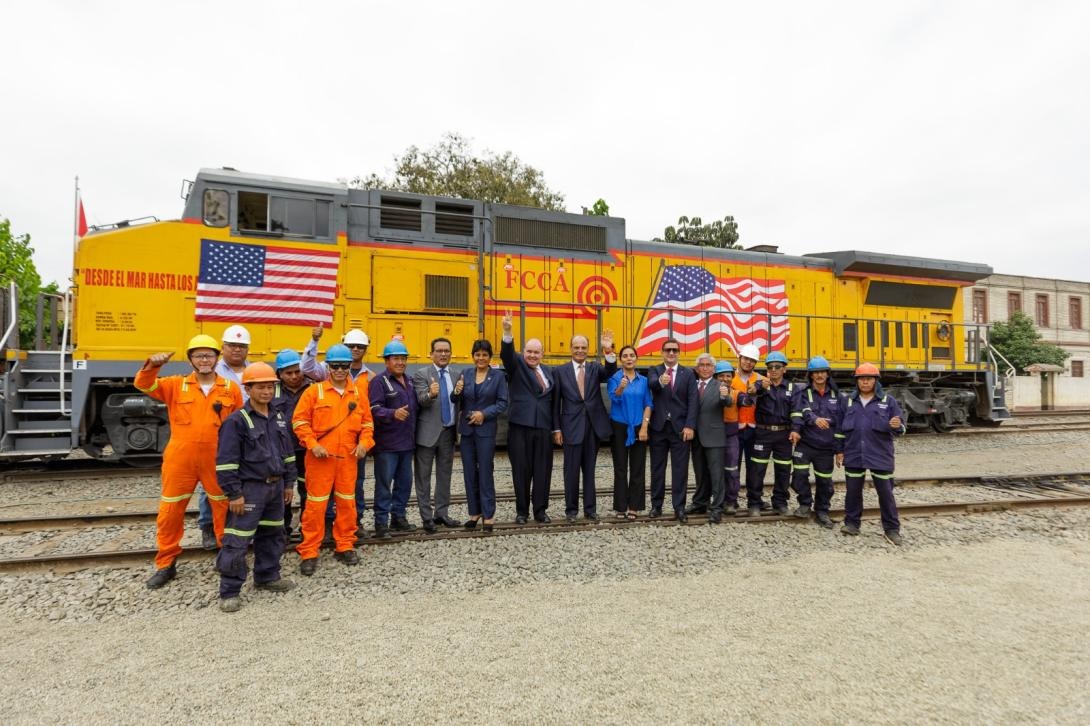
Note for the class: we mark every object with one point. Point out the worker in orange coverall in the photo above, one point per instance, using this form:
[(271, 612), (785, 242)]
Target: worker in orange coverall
[(197, 404), (333, 421)]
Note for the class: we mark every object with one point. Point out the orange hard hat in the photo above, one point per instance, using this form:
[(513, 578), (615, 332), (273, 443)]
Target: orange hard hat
[(868, 369), (258, 373)]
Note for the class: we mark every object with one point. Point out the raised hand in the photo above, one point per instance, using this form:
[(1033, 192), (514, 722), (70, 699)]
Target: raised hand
[(460, 384), (622, 385), (664, 380), (433, 389), (159, 359), (607, 341), (507, 322), (316, 332)]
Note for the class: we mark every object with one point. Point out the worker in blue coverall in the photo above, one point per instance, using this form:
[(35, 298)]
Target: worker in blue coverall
[(815, 419), (255, 467), (772, 441), (871, 420)]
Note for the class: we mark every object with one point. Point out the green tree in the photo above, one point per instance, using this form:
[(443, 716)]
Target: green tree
[(722, 233), (600, 209), (452, 169), (17, 264), (1021, 344)]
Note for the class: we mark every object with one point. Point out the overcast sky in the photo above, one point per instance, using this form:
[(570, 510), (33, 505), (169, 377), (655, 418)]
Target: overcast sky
[(958, 130)]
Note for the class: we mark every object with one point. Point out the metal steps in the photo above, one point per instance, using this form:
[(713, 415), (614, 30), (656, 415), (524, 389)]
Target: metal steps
[(37, 412)]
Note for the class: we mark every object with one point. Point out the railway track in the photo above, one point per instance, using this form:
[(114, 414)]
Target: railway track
[(1012, 494)]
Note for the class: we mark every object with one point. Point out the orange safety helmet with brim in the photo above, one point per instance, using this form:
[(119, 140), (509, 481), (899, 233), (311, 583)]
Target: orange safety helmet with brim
[(867, 370), (258, 373)]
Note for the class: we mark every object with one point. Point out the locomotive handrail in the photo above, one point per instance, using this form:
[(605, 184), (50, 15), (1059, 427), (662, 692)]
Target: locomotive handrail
[(14, 324), (63, 352)]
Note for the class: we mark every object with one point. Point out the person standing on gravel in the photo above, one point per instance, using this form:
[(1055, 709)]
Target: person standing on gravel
[(871, 420), (580, 420), (197, 405), (742, 383), (673, 423), (481, 396), (710, 439), (530, 418), (772, 441), (255, 464), (815, 420), (630, 413), (394, 408), (289, 388), (333, 421), (436, 433), (732, 454)]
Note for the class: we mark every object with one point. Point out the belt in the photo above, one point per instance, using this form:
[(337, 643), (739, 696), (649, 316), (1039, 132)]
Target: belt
[(774, 427), (272, 479)]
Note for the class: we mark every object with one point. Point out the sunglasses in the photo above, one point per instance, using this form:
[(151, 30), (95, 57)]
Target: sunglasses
[(775, 366), (671, 350), (360, 346), (338, 366)]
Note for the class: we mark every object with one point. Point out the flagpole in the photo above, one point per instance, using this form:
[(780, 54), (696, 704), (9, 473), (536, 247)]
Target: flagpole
[(75, 220)]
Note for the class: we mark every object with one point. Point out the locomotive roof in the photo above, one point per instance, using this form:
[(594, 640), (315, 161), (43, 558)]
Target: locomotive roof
[(232, 176), (882, 263)]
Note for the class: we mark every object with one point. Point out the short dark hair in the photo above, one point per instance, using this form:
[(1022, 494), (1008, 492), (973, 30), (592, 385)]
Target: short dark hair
[(670, 340), (441, 340), (627, 347), (484, 345)]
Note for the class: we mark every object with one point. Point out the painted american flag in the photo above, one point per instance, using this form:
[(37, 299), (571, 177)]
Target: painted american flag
[(266, 284), (696, 307)]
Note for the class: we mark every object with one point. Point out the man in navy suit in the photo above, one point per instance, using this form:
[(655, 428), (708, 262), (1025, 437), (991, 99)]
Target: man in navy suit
[(673, 421), (530, 419), (580, 420)]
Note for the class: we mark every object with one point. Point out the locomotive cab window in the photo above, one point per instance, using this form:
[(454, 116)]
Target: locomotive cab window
[(283, 216), (216, 206)]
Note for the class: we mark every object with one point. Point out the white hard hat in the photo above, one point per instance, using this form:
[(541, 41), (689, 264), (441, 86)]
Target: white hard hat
[(236, 334), (749, 350), (356, 337)]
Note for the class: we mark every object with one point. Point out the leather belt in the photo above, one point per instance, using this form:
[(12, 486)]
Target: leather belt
[(272, 479), (774, 427)]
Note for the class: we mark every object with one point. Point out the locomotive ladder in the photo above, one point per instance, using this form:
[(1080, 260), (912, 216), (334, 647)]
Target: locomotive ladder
[(36, 385)]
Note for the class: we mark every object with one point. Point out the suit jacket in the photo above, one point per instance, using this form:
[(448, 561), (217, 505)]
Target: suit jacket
[(572, 412), (710, 429), (490, 398), (429, 419), (676, 406), (530, 406)]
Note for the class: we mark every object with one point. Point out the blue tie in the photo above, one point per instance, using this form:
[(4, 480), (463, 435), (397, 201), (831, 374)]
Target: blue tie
[(444, 396)]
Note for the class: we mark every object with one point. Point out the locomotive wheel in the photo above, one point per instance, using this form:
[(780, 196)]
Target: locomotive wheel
[(142, 462), (938, 423)]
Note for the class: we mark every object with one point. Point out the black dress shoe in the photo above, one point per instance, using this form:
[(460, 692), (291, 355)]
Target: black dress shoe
[(487, 529), (696, 509), (592, 517), (162, 577), (655, 513), (521, 519), (400, 524), (471, 523), (681, 517), (447, 522), (429, 526), (543, 519)]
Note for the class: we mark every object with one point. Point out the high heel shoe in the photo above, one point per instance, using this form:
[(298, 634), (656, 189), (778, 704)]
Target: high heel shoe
[(488, 527), (471, 523)]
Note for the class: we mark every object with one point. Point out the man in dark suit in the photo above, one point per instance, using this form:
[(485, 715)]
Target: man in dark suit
[(530, 415), (436, 427), (710, 441), (580, 420), (673, 421)]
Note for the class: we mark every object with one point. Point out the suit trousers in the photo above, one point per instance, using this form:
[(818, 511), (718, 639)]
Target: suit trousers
[(531, 453), (262, 521), (478, 466), (669, 443), (580, 458), (708, 472), (442, 455), (822, 461), (629, 471), (883, 486), (774, 446)]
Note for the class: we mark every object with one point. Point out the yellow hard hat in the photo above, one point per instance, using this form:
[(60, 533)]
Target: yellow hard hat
[(258, 373), (202, 341)]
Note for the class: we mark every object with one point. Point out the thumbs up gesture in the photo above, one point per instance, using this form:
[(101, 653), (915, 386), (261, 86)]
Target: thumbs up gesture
[(159, 359), (460, 384), (622, 385), (433, 389)]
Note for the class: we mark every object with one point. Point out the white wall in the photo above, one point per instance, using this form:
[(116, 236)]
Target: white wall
[(1024, 392)]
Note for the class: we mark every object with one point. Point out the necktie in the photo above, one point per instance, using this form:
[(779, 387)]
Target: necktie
[(702, 385), (581, 378), (541, 378), (444, 398), (670, 372)]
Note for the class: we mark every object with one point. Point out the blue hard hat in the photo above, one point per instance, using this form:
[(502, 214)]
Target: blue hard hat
[(817, 363), (776, 357), (394, 347), (723, 367), (287, 357), (338, 353)]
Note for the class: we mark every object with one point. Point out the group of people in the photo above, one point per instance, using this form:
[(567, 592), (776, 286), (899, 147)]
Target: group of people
[(254, 434)]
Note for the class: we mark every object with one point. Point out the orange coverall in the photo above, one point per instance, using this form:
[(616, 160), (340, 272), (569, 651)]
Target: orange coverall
[(190, 455), (324, 416)]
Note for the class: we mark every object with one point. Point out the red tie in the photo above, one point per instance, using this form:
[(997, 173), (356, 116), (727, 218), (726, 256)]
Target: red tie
[(540, 377), (670, 372), (702, 384)]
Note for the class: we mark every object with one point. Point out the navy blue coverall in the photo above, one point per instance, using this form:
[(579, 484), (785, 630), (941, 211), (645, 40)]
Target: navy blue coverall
[(772, 442), (818, 446), (284, 403), (867, 442)]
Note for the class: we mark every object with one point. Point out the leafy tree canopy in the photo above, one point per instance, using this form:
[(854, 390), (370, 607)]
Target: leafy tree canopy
[(1021, 344), (17, 264), (600, 209), (451, 168), (721, 233)]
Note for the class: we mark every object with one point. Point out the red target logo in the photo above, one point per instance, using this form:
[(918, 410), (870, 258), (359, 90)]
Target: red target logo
[(597, 291)]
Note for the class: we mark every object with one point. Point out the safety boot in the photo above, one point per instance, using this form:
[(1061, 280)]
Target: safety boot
[(400, 524), (230, 605), (894, 537), (382, 531), (348, 557), (307, 567), (281, 585), (824, 520), (780, 509), (849, 529), (162, 577), (208, 539), (803, 512)]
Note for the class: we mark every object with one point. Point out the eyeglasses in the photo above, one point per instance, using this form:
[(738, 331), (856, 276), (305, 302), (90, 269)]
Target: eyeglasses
[(671, 350), (338, 366), (203, 356), (359, 346), (775, 366)]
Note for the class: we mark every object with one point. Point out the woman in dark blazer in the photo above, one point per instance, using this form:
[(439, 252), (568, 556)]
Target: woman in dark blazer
[(481, 394)]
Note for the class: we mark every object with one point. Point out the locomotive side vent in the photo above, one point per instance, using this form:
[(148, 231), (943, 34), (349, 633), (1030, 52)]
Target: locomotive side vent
[(555, 235), (400, 214), (454, 219), (446, 293)]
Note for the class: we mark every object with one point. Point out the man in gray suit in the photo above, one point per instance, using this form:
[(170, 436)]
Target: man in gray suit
[(709, 441), (436, 430)]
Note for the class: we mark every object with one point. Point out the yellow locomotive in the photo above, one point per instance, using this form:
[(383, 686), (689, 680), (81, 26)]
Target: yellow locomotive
[(281, 255)]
